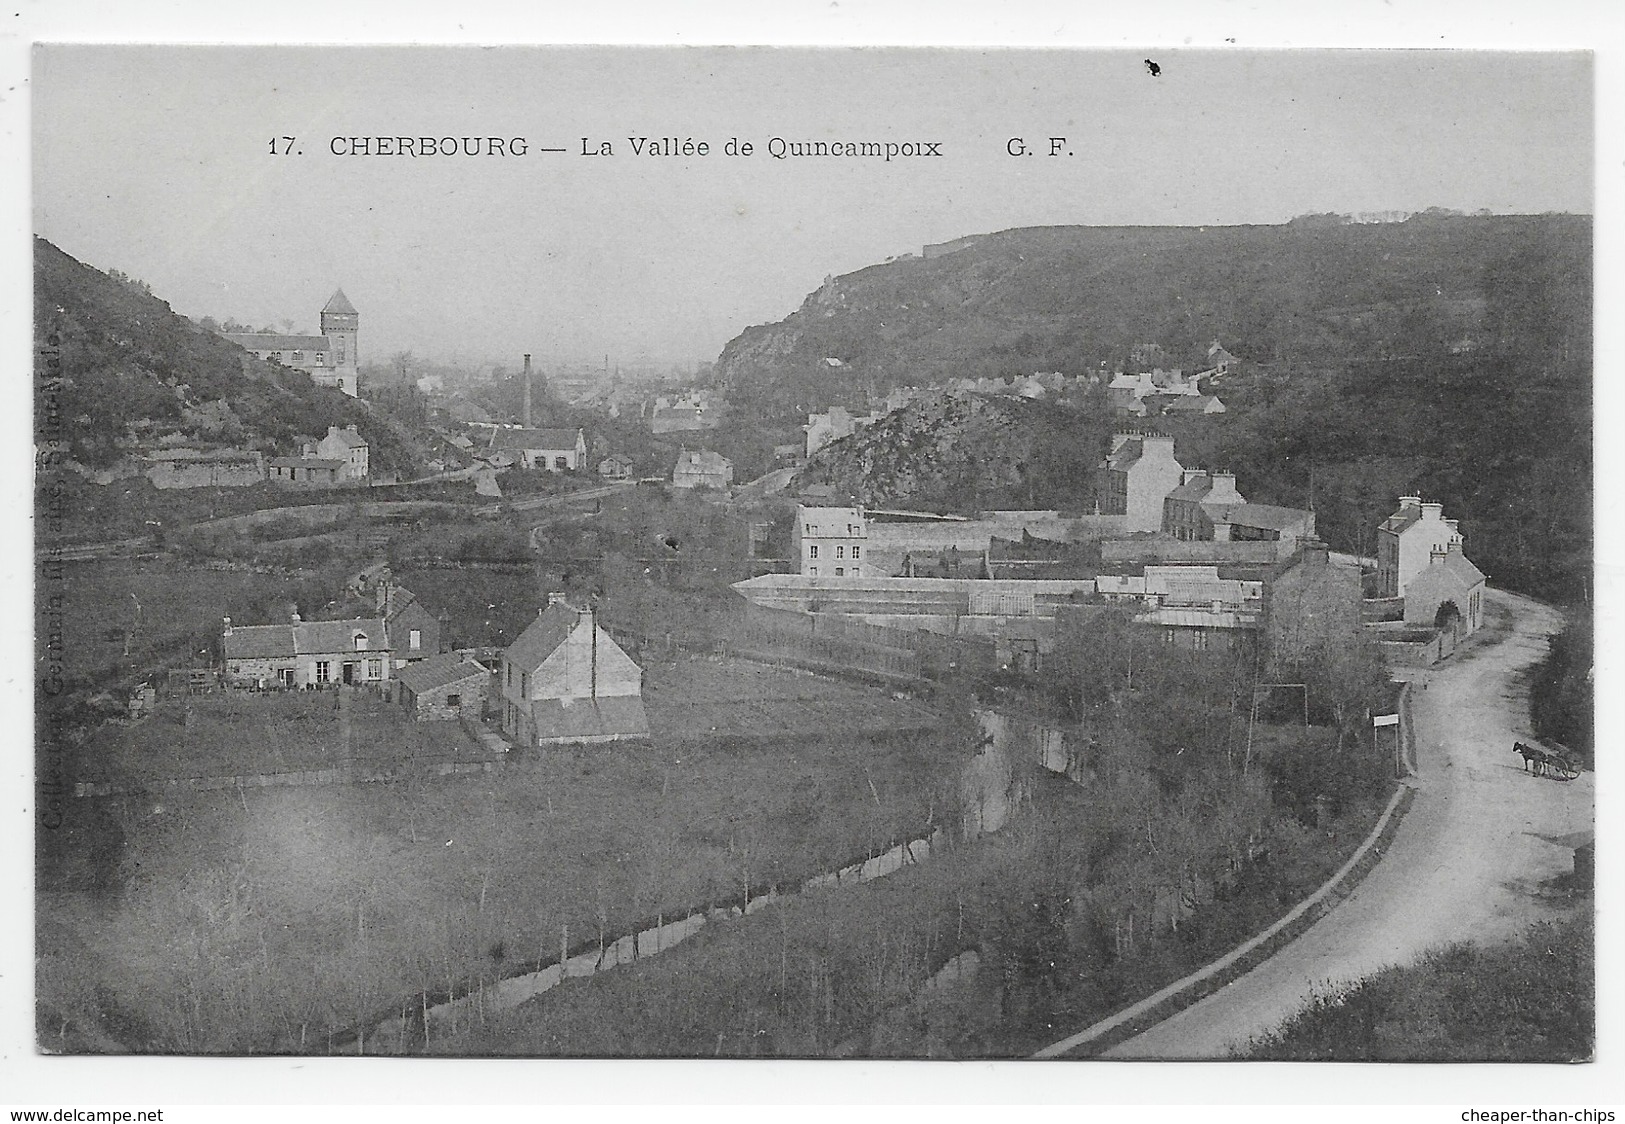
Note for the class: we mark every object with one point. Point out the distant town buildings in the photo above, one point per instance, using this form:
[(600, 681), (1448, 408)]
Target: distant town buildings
[(331, 359)]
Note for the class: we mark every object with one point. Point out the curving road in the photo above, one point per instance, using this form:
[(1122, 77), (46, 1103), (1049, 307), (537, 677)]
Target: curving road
[(1466, 863)]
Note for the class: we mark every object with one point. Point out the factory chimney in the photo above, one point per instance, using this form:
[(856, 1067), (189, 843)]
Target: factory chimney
[(527, 391)]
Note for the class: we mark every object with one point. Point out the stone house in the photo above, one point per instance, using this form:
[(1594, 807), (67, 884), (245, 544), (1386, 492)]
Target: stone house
[(1136, 477), (701, 468), (215, 468), (1311, 606), (566, 680), (311, 471), (443, 687), (1187, 510), (307, 654)]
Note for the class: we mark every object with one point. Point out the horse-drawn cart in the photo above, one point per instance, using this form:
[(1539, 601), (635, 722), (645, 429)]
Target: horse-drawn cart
[(1559, 761)]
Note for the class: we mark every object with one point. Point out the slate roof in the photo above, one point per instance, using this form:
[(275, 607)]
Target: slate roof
[(339, 304), (1126, 455), (543, 636), (439, 671), (548, 440), (702, 461), (259, 641), (1459, 564), (271, 341), (578, 719), (1401, 519), (305, 462), (336, 636), (1262, 515)]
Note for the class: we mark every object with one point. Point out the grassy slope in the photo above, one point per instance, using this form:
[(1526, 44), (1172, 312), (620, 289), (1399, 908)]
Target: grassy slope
[(1528, 1001)]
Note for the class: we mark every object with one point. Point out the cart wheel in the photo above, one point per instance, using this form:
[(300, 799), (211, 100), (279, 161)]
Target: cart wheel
[(1566, 768)]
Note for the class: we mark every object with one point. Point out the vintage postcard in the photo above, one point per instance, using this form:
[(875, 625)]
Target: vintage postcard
[(789, 553)]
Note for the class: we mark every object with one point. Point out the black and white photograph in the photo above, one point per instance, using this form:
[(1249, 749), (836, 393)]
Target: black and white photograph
[(839, 553)]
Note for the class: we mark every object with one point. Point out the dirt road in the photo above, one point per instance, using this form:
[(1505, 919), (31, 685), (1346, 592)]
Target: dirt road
[(1465, 864)]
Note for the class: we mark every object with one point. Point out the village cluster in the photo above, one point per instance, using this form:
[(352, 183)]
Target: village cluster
[(1201, 565)]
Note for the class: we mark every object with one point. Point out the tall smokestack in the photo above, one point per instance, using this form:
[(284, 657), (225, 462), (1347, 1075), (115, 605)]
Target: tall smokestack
[(527, 391)]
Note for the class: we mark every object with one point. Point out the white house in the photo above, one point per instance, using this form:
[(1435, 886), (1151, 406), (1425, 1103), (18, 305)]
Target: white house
[(347, 446), (565, 680), (830, 541), (1407, 541)]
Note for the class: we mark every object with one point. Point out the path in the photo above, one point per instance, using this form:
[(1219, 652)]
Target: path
[(1464, 864)]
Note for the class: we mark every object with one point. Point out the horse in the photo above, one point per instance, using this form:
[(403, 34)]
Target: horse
[(1534, 760)]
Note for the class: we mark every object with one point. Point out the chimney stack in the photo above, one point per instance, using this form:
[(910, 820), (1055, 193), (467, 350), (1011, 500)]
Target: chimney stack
[(1432, 512), (527, 391), (1406, 503)]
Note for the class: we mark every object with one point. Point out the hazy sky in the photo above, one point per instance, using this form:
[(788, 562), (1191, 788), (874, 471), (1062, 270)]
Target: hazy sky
[(155, 160)]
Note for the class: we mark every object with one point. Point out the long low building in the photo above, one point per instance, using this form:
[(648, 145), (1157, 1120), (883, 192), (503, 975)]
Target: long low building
[(913, 596)]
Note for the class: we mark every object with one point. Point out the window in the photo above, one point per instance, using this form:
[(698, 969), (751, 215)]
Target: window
[(454, 700), (524, 684), (415, 639), (324, 671), (321, 358), (812, 571), (299, 357), (560, 464), (851, 528), (1199, 639), (840, 552), (812, 552), (840, 572), (855, 553), (510, 672), (360, 639)]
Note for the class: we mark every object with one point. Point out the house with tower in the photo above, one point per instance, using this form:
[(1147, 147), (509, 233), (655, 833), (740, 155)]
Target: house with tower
[(330, 359)]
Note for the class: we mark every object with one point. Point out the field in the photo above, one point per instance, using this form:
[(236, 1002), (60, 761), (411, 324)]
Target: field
[(700, 697), (239, 733), (261, 919)]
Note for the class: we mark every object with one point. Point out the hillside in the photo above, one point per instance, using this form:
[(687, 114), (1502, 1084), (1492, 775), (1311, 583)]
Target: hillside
[(1071, 298), (1449, 356), (138, 376), (967, 454)]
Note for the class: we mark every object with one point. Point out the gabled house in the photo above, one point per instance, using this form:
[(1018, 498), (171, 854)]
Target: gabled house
[(1449, 580), (557, 450), (347, 446), (416, 632), (307, 653), (566, 680), (616, 466)]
